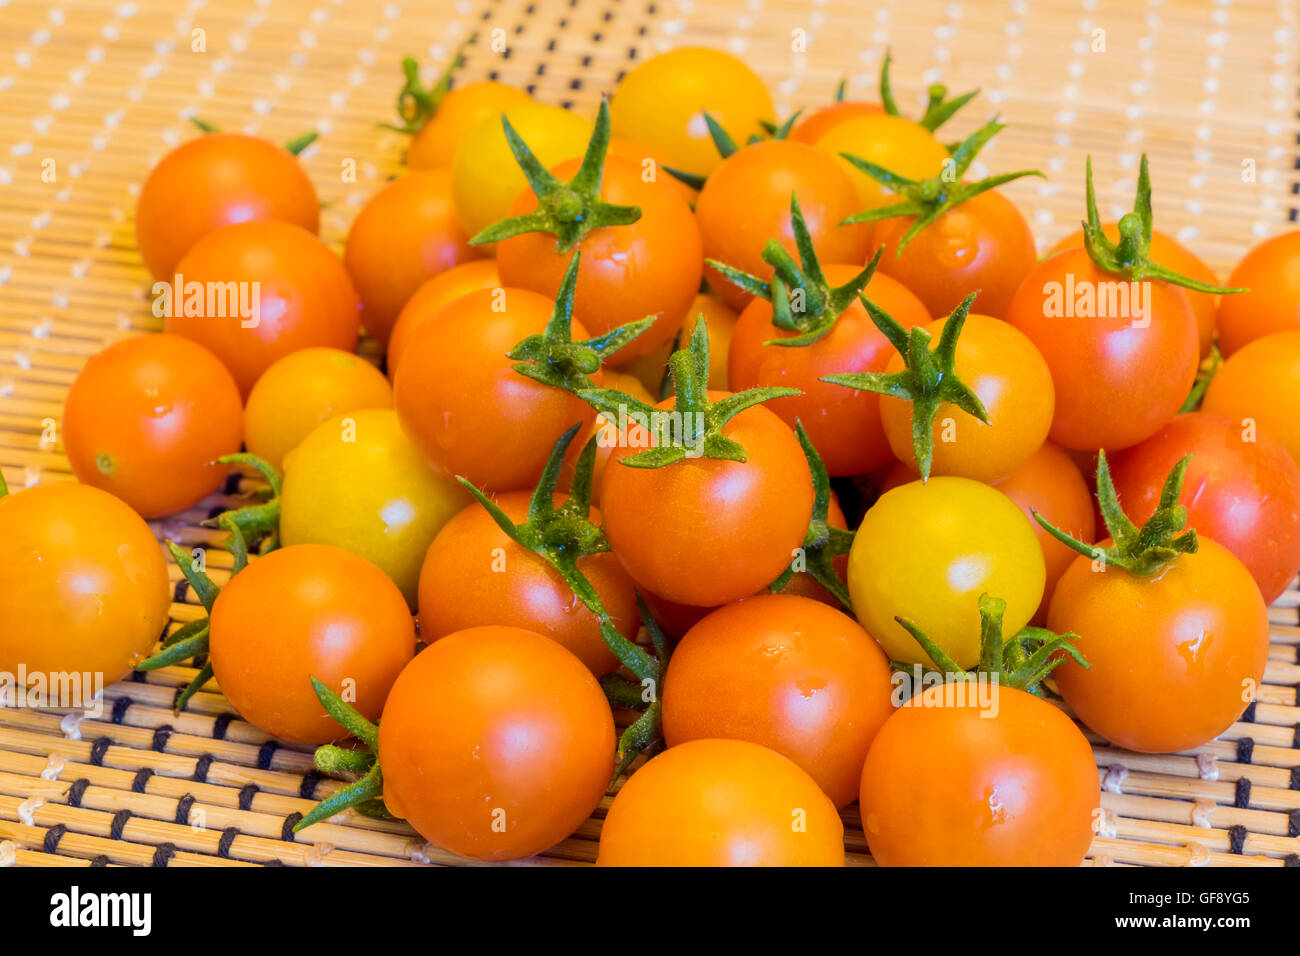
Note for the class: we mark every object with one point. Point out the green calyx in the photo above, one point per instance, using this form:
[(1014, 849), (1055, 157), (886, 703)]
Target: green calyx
[(553, 358), (416, 104), (1142, 551), (295, 145), (644, 734), (927, 199), (928, 379), (693, 427), (1020, 662), (823, 543), (365, 794), (4, 486), (1129, 256), (566, 210), (938, 108), (1204, 376), (802, 300)]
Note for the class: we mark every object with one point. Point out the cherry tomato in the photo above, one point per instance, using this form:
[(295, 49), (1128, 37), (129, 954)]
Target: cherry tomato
[(662, 102), (926, 552), (147, 418), (982, 245), (812, 126), (651, 162), (675, 619), (953, 781), (357, 482), (650, 267), (1122, 354), (433, 145), (294, 290), (463, 403), (843, 423), (897, 144), (706, 531), (1175, 658), (485, 179), (1241, 488), (83, 584), (216, 180), (1271, 271), (1013, 383), (432, 296), (720, 322), (721, 803), (405, 234), (334, 616), (496, 743), (786, 672), (607, 431), (1171, 253), (746, 202), (302, 390), (802, 583), (1260, 384)]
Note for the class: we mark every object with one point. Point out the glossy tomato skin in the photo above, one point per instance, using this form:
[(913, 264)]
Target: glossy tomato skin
[(897, 144), (926, 552), (1271, 271), (705, 531), (816, 124), (83, 583), (1175, 658), (1241, 488), (721, 803), (215, 180), (981, 245), (474, 575), (429, 298), (305, 296), (786, 672), (955, 781), (433, 145), (661, 103), (147, 418), (463, 403), (651, 162), (406, 234), (746, 202), (1120, 376), (650, 267), (335, 617), (1013, 383), (451, 744), (1260, 384), (843, 423), (358, 482)]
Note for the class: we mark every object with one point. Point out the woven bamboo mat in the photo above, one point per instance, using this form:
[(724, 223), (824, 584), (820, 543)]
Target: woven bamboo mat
[(97, 92)]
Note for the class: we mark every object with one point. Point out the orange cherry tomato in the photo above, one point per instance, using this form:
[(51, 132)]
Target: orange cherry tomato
[(405, 234), (650, 267), (746, 202), (651, 162), (496, 743), (810, 128), (474, 574), (433, 145), (216, 180), (335, 617), (1175, 658), (463, 403), (980, 245), (1260, 385), (429, 298), (83, 585), (721, 803), (843, 423), (1271, 271), (786, 672), (951, 781), (146, 420), (1003, 368), (289, 292)]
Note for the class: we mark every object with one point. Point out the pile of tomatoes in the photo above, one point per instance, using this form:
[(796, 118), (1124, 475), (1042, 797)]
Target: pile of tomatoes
[(772, 437)]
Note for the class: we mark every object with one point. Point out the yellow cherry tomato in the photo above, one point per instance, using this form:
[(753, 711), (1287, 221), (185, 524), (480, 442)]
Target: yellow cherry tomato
[(434, 144), (358, 483), (660, 103), (897, 144), (486, 180), (302, 390), (926, 552)]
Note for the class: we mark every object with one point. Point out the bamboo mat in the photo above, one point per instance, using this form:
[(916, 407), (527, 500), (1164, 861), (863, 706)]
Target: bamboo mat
[(101, 90)]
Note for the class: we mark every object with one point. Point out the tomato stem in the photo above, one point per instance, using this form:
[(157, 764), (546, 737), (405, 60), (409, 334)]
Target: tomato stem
[(415, 104), (332, 759), (938, 109), (1204, 375), (4, 486)]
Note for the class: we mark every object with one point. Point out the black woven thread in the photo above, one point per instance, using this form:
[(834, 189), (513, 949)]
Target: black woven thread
[(1291, 859), (310, 780), (120, 820), (77, 791), (101, 860), (227, 838), (97, 751), (163, 854), (232, 484), (246, 794), (178, 592), (1248, 715), (1245, 749), (266, 754), (1236, 838), (52, 837), (1242, 801), (1293, 823), (120, 707), (1295, 778), (160, 737), (286, 831), (141, 778), (201, 768), (183, 807), (139, 677), (220, 725)]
